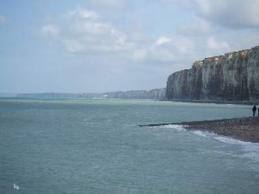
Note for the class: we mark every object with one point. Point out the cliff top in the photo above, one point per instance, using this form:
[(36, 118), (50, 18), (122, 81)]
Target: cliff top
[(228, 55)]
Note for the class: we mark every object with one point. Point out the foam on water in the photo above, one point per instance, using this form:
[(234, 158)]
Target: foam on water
[(200, 133), (250, 150), (178, 128), (229, 140), (16, 187)]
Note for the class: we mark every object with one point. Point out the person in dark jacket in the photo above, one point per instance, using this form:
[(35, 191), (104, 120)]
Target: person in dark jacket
[(254, 110)]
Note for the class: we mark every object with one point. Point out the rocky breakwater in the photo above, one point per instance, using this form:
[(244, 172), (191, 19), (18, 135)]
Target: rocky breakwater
[(245, 129), (231, 77)]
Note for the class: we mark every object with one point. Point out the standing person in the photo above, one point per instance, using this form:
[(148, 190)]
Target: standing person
[(254, 110)]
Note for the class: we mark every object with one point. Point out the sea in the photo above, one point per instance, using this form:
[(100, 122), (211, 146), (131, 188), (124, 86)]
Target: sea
[(95, 146)]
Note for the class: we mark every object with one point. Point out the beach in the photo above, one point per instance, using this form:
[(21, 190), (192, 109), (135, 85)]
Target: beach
[(245, 129)]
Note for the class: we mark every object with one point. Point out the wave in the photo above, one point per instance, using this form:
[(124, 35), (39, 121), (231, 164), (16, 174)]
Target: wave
[(223, 139), (16, 187), (201, 133), (229, 140), (249, 150)]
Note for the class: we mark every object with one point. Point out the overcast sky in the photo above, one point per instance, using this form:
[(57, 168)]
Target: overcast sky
[(111, 45)]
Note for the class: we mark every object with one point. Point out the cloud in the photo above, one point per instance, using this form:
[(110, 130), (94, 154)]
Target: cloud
[(166, 50), (230, 13), (2, 19), (162, 40), (198, 27), (108, 3), (50, 30), (219, 26), (227, 13), (216, 45), (83, 14), (83, 31)]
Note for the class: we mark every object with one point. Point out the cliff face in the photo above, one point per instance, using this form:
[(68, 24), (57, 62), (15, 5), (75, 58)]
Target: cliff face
[(233, 76)]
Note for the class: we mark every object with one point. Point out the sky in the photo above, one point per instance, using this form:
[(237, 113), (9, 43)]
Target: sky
[(115, 45)]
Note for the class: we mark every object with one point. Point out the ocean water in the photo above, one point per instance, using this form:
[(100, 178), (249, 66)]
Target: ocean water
[(95, 146)]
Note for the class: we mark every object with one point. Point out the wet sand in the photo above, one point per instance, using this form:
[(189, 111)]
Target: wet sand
[(245, 129)]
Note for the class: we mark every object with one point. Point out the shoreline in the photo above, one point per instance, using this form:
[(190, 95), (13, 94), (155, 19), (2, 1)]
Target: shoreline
[(213, 101), (244, 129)]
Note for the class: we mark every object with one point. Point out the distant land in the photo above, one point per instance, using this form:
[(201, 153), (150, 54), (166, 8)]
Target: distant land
[(231, 77), (7, 95), (155, 94)]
